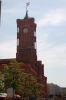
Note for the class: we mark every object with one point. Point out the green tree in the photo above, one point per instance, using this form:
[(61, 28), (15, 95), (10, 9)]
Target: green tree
[(31, 86), (1, 82), (12, 76), (23, 83)]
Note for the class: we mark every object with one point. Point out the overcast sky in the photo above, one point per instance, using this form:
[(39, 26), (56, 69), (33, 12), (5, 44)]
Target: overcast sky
[(50, 17)]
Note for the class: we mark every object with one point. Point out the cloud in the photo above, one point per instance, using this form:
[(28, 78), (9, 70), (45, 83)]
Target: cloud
[(54, 56), (11, 11), (7, 49), (53, 18)]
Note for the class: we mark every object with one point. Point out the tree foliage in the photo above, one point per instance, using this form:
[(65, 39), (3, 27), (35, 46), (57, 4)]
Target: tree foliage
[(23, 83), (1, 82)]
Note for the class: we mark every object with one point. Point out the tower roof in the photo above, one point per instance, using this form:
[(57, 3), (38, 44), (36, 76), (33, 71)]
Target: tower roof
[(26, 16)]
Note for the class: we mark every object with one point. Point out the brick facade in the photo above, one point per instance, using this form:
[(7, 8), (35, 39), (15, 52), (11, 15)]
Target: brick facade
[(26, 52)]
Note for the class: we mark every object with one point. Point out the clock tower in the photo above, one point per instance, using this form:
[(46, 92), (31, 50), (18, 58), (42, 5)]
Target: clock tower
[(26, 40), (26, 49)]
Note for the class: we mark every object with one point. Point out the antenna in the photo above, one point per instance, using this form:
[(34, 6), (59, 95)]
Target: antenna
[(27, 4)]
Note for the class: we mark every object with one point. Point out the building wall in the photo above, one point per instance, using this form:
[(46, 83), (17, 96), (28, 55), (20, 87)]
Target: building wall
[(26, 52)]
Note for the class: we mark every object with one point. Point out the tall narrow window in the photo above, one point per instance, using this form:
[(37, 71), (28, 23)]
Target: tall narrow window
[(18, 42), (35, 45), (17, 29), (35, 34)]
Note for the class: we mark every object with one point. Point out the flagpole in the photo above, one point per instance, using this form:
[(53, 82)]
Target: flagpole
[(27, 4), (26, 7)]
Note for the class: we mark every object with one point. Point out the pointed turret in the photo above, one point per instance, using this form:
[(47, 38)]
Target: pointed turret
[(26, 16), (27, 4)]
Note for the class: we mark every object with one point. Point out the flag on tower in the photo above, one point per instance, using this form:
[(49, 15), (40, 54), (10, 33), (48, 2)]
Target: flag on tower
[(27, 4)]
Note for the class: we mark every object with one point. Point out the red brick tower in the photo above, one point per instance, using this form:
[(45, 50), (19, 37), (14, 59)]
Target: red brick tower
[(26, 40), (26, 49)]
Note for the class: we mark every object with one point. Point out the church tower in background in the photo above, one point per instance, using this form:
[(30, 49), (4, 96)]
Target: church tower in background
[(26, 49), (26, 40)]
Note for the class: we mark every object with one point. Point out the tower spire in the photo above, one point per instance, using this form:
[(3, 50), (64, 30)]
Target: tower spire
[(27, 4)]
